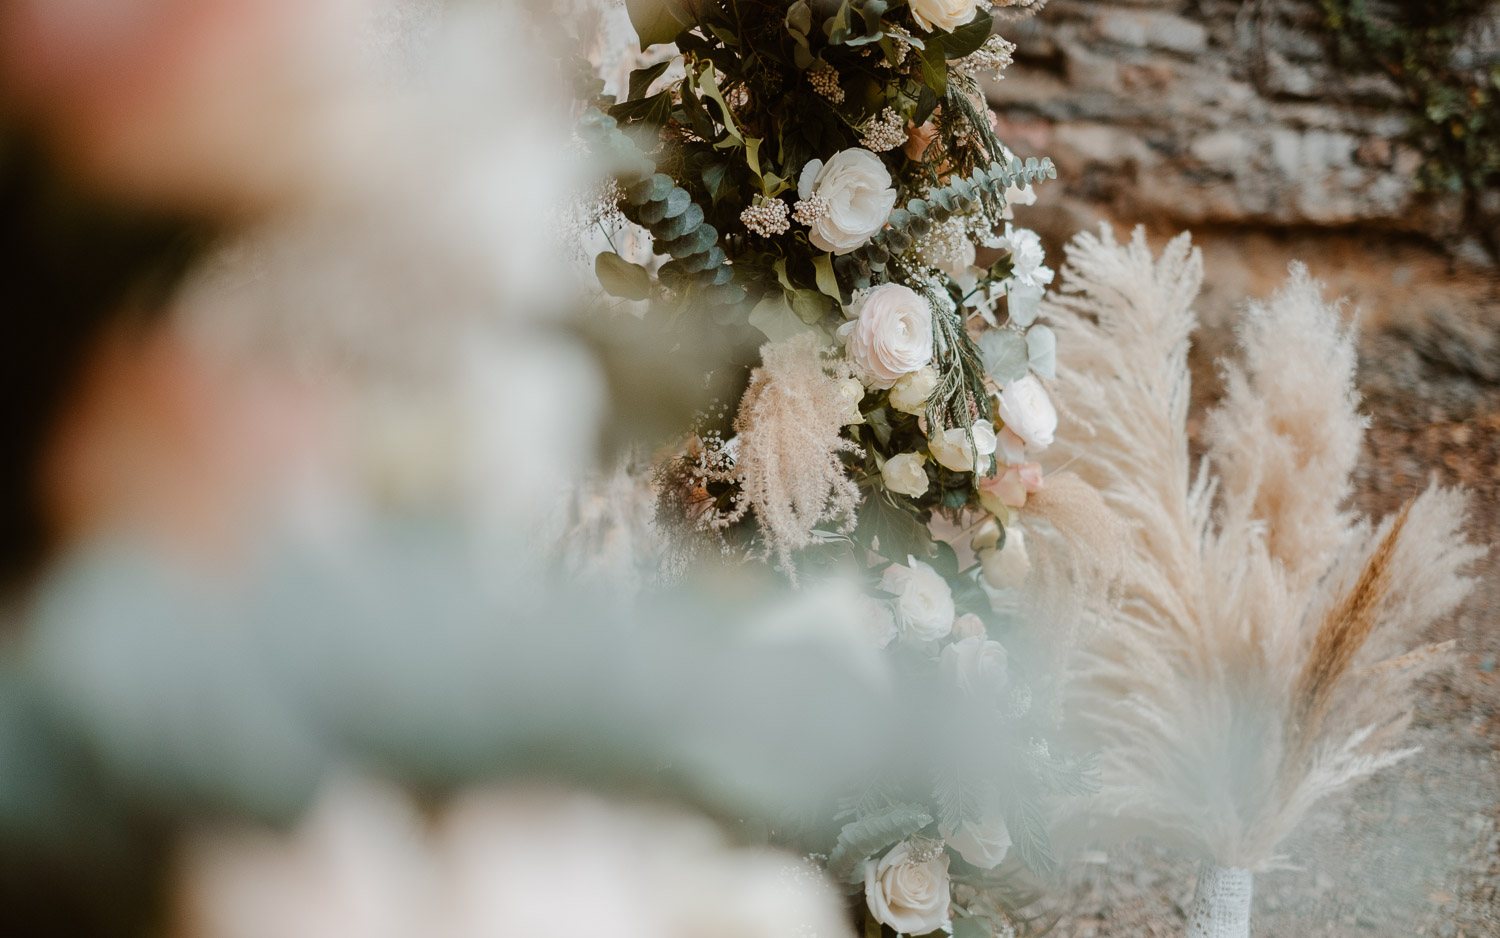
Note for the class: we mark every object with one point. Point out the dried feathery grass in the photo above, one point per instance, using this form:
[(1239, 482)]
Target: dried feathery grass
[(790, 444), (1258, 656)]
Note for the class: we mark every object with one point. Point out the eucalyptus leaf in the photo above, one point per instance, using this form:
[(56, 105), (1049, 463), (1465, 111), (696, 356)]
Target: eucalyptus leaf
[(621, 278), (1023, 300), (1041, 346), (1005, 355)]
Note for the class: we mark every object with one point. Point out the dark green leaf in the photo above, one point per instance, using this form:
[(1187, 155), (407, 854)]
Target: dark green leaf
[(656, 109), (968, 37), (641, 79), (713, 179), (656, 20), (935, 68)]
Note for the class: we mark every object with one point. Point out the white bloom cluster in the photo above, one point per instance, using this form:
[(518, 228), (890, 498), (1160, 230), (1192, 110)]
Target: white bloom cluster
[(947, 247), (924, 601), (825, 81), (859, 195), (886, 132), (1027, 256), (901, 40), (991, 59), (890, 335), (767, 218)]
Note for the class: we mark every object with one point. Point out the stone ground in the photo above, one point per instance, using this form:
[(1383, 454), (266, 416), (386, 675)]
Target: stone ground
[(1415, 851)]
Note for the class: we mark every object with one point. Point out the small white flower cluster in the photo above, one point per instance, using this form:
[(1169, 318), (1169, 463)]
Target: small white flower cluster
[(766, 218), (809, 210), (992, 59), (886, 132), (947, 247), (825, 81)]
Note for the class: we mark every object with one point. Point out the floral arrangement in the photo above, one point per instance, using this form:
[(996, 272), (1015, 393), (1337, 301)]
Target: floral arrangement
[(822, 185)]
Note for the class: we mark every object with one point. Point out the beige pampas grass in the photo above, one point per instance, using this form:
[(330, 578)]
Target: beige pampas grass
[(1259, 656), (789, 428)]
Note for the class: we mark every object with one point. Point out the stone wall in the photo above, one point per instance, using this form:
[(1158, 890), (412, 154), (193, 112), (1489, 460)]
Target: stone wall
[(1214, 112)]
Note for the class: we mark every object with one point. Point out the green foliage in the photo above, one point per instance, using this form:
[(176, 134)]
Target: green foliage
[(863, 838), (621, 278), (984, 188), (665, 209), (1454, 109)]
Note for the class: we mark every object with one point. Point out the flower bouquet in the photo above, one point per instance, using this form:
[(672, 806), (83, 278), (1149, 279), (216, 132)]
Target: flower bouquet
[(822, 184)]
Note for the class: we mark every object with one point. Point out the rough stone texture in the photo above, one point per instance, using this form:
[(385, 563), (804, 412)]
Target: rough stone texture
[(1193, 112)]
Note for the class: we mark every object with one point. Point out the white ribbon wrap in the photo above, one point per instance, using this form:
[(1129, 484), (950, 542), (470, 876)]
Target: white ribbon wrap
[(1221, 906)]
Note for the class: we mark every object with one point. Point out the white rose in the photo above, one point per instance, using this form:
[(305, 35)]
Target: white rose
[(976, 664), (878, 621), (904, 474), (909, 395), (943, 14), (890, 336), (1027, 412), (851, 392), (1008, 566), (984, 844), (909, 895), (924, 603), (856, 189), (952, 447)]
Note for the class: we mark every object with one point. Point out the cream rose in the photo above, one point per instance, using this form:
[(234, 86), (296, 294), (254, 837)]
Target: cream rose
[(953, 449), (908, 893), (904, 474), (851, 392), (946, 15), (857, 197), (1028, 412), (909, 395), (924, 603), (890, 336), (976, 665), (984, 844), (1008, 566)]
